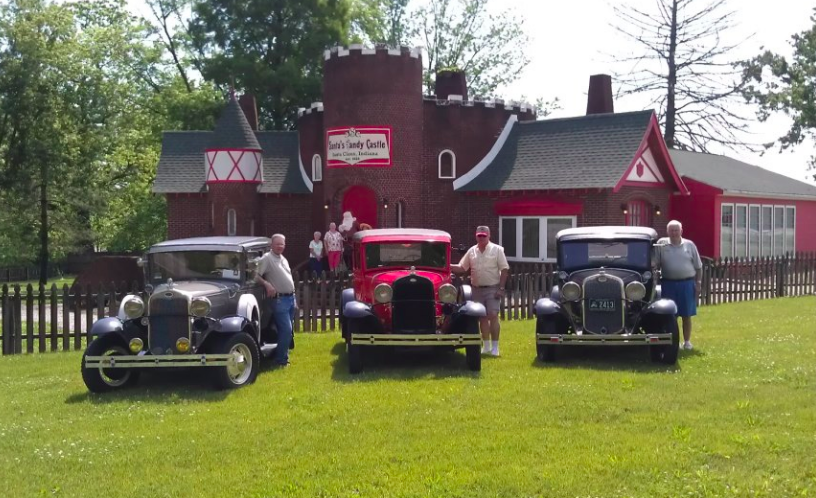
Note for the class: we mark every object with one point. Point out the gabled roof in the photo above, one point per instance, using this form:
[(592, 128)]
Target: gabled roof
[(583, 152), (181, 164), (233, 131), (736, 177)]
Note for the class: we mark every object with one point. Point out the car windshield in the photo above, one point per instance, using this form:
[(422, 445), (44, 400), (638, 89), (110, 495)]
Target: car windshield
[(427, 254), (195, 265), (580, 254)]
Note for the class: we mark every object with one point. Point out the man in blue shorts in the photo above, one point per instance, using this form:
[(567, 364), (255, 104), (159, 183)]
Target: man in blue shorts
[(681, 272)]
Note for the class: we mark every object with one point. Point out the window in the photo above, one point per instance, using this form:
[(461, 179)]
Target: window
[(447, 164), (767, 230), (639, 213), (232, 222), (753, 231), (400, 214), (726, 230), (790, 229), (317, 168), (779, 231), (741, 231), (531, 238)]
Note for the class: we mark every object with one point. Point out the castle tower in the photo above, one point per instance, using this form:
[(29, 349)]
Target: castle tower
[(233, 163), (372, 131)]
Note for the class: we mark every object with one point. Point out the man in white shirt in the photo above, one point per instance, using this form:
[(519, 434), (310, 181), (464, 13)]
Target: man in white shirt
[(681, 271), (276, 277), (488, 273)]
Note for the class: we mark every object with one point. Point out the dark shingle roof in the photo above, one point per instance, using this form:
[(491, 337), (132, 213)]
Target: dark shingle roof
[(232, 131), (736, 176), (583, 152), (181, 165)]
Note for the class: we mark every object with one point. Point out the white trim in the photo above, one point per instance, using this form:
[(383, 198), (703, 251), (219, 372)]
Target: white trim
[(736, 217), (543, 222), (488, 159), (787, 249), (782, 197), (439, 165), (757, 250), (306, 180), (317, 169), (768, 250), (733, 226)]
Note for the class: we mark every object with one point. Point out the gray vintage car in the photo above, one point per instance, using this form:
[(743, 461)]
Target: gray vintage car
[(201, 308), (606, 293)]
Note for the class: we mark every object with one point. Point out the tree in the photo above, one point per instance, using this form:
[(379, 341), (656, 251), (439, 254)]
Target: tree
[(382, 21), (779, 85), (270, 48), (682, 65), (464, 35)]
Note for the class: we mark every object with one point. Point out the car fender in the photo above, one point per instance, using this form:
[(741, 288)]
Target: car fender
[(347, 296), (546, 306), (232, 324), (121, 315), (661, 307), (247, 305), (109, 325), (356, 309), (555, 293), (466, 293), (472, 308)]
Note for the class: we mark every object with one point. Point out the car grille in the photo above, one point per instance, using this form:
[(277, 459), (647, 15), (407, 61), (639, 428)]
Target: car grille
[(413, 307), (169, 320), (600, 291)]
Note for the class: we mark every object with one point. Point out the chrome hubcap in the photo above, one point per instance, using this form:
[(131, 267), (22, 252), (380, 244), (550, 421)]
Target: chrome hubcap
[(241, 367)]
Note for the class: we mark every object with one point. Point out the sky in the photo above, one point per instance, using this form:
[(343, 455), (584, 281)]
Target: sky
[(571, 39)]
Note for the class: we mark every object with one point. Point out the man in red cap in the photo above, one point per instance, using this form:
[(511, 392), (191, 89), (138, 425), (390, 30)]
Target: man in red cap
[(488, 274)]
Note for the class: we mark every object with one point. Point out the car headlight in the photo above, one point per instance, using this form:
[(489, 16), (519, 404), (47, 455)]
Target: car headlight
[(134, 307), (135, 345), (571, 291), (635, 291), (383, 293), (200, 306), (183, 345), (448, 293)]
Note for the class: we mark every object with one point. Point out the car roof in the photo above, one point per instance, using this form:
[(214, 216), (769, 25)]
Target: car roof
[(386, 234), (607, 233), (223, 243)]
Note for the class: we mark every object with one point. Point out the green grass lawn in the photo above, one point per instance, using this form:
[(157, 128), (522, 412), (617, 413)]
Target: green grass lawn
[(735, 417), (35, 284)]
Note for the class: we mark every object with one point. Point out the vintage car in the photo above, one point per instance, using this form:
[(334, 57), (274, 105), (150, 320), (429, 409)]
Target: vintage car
[(606, 293), (403, 296), (200, 309)]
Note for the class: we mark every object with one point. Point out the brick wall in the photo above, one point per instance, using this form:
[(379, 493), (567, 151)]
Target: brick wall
[(240, 196), (288, 214), (188, 215)]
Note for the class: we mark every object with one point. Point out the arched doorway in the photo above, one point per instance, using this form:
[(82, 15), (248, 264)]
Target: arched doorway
[(362, 202)]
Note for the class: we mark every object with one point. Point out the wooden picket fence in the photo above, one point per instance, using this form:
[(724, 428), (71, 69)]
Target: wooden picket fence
[(51, 319)]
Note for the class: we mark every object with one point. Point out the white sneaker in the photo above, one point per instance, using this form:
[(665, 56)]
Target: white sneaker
[(486, 348), (687, 346), (495, 351)]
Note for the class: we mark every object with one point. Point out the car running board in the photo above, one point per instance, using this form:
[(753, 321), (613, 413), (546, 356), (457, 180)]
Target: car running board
[(268, 349)]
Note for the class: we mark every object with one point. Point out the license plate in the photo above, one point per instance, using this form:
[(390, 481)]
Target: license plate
[(601, 305)]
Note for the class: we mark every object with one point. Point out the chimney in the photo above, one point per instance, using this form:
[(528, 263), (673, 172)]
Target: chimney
[(450, 82), (247, 103), (599, 99)]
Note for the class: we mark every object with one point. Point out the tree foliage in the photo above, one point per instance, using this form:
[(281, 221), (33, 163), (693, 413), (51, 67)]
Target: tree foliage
[(683, 65), (273, 49), (777, 84), (464, 34)]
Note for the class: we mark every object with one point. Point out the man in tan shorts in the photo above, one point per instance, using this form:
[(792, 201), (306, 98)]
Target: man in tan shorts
[(488, 274)]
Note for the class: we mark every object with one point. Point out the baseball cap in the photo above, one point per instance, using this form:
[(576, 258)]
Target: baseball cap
[(482, 230)]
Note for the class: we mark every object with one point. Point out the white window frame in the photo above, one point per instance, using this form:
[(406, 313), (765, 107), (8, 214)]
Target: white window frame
[(232, 222), (747, 212), (785, 234), (453, 165), (773, 239), (317, 168), (730, 253), (543, 257), (757, 250), (768, 251)]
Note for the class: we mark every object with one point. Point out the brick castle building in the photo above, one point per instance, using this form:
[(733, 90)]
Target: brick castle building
[(378, 147)]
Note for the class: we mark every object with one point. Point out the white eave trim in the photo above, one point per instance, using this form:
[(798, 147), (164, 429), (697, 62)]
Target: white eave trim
[(303, 174), (487, 159), (759, 195)]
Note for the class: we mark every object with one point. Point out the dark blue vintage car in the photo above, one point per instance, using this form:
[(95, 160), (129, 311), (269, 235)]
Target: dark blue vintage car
[(201, 308), (606, 293)]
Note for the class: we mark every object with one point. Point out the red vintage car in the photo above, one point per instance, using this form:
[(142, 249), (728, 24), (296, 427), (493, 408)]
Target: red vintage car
[(403, 296)]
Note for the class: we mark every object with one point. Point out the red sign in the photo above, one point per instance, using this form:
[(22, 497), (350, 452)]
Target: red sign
[(358, 146)]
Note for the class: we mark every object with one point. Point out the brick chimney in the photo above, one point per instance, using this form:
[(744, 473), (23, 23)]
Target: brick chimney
[(247, 103), (599, 99), (450, 83)]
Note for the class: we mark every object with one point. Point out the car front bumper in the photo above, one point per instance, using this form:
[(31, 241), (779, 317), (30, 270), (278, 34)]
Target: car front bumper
[(416, 339), (604, 340), (162, 361)]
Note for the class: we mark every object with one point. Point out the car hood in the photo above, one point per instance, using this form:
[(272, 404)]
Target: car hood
[(388, 277), (197, 288)]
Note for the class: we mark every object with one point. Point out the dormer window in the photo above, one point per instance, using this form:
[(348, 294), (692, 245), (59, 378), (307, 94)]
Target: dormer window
[(317, 168), (447, 164)]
